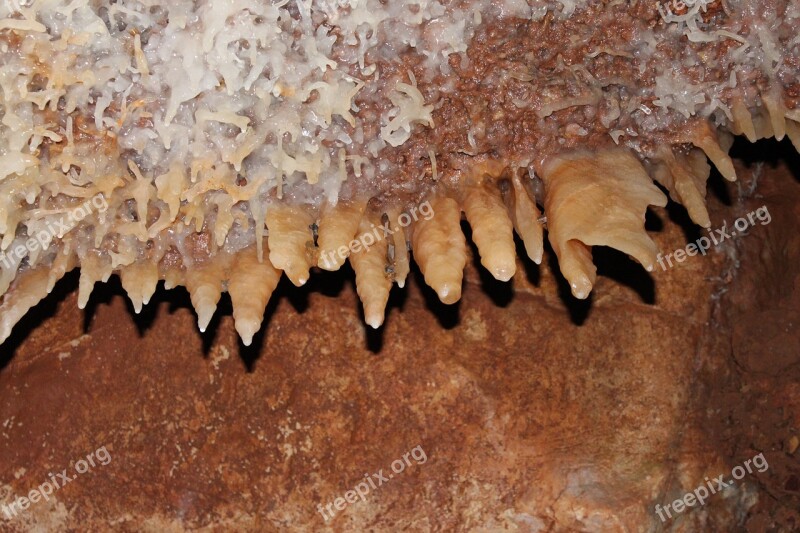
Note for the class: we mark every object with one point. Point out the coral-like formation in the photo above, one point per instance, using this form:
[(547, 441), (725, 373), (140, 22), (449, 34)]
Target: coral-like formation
[(217, 144)]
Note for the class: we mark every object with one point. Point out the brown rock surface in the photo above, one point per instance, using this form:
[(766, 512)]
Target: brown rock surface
[(535, 412)]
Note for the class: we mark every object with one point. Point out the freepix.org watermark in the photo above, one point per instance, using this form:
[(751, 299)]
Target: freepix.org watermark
[(718, 484), (716, 237), (99, 457), (378, 233), (53, 229), (371, 482)]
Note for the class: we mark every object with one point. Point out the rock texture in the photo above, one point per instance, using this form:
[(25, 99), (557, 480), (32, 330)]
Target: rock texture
[(535, 412)]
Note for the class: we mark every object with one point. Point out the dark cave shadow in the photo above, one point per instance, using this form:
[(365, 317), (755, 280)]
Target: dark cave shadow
[(103, 293), (397, 299), (250, 354), (175, 299), (678, 216), (500, 292), (34, 318), (617, 266), (717, 186), (578, 309), (447, 315), (374, 337), (766, 151), (533, 272), (330, 284), (769, 152), (610, 263)]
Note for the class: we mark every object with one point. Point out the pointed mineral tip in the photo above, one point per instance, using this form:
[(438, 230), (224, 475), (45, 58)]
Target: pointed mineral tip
[(247, 329), (204, 316)]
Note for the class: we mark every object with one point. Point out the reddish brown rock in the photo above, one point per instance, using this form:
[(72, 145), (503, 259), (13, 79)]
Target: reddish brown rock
[(534, 412)]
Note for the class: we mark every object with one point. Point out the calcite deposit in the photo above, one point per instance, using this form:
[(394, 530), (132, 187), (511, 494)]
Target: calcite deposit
[(501, 190), (193, 142), (536, 412)]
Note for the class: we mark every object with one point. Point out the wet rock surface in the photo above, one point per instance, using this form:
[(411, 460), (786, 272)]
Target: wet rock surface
[(518, 409)]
